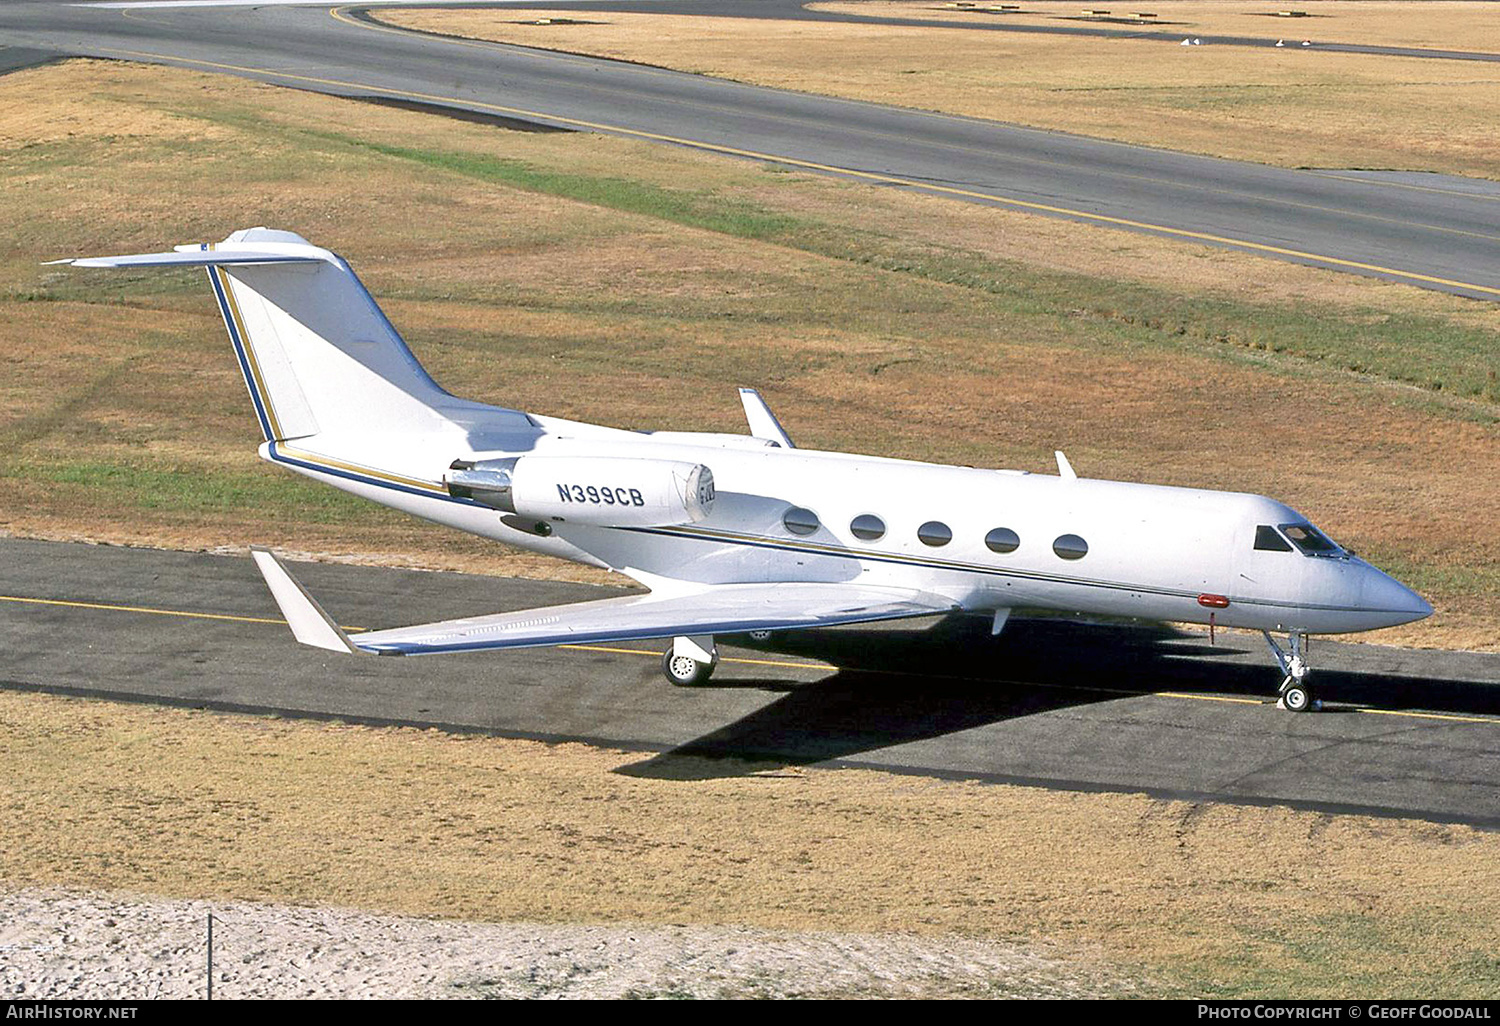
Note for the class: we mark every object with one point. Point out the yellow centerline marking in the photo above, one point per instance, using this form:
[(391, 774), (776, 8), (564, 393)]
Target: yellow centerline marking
[(786, 664), (112, 607), (1425, 716), (541, 53), (1208, 698), (870, 176), (148, 609)]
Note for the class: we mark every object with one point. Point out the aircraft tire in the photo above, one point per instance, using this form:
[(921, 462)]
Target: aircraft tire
[(1297, 698), (685, 671)]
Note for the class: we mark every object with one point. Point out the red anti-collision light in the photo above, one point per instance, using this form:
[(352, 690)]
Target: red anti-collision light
[(1214, 601)]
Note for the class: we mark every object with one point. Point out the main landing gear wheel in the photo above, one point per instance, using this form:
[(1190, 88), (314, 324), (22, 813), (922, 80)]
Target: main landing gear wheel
[(685, 664), (684, 670)]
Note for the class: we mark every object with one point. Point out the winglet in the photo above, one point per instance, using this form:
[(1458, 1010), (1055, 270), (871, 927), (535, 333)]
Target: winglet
[(1064, 468), (763, 423), (310, 625)]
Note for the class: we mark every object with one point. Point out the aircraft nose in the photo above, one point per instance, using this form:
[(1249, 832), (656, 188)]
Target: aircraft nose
[(1382, 593)]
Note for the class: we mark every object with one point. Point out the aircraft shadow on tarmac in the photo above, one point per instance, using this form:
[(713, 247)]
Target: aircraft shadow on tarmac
[(907, 684)]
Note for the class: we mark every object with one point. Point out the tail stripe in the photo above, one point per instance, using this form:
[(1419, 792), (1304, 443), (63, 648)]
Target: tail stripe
[(359, 472), (242, 352)]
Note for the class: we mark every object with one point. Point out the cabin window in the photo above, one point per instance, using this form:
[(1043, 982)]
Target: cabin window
[(1002, 539), (1310, 540), (1070, 546), (800, 521), (934, 533), (1268, 539), (867, 527)]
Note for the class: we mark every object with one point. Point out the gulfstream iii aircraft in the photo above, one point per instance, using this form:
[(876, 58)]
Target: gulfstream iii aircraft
[(736, 533)]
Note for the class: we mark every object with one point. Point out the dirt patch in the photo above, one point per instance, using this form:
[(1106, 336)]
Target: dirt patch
[(90, 947)]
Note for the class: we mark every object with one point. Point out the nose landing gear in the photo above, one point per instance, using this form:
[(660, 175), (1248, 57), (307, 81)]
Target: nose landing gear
[(1296, 695)]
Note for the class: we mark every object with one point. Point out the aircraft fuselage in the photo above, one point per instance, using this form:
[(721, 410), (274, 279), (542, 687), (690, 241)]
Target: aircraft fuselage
[(986, 539)]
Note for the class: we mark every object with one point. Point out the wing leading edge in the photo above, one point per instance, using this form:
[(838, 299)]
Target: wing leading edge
[(715, 609)]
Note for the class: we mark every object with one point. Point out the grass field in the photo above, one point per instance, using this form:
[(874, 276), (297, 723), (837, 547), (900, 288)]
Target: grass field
[(1429, 24), (1187, 899), (1291, 107), (614, 281)]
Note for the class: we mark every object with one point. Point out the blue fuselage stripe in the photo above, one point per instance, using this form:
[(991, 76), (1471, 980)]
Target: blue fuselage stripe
[(349, 475), (239, 352)]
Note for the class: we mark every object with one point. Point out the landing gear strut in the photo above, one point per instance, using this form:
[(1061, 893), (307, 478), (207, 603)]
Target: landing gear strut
[(1296, 694), (690, 661)]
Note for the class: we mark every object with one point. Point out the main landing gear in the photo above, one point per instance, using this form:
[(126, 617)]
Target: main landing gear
[(1296, 694), (690, 661)]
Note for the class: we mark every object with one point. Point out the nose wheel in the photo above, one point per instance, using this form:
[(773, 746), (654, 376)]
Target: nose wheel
[(1297, 698), (690, 661), (1295, 694)]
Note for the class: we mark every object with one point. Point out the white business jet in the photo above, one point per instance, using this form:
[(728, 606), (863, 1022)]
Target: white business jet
[(737, 533)]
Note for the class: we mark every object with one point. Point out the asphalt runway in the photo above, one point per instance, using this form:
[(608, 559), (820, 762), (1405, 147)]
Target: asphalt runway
[(1439, 232), (1057, 704)]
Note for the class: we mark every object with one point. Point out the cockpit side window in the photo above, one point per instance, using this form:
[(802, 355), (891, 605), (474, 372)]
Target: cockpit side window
[(1268, 539), (1310, 540)]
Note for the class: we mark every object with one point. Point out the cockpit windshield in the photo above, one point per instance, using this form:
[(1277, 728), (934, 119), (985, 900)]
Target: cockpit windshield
[(1310, 540), (1268, 539)]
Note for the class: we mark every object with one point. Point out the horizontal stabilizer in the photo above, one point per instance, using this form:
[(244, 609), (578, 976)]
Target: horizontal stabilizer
[(196, 258), (310, 625)]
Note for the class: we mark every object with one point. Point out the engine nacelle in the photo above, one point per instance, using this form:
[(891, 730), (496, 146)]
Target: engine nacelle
[(606, 491)]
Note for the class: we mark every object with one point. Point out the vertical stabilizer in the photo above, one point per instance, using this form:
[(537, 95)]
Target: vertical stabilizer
[(322, 362), (317, 353)]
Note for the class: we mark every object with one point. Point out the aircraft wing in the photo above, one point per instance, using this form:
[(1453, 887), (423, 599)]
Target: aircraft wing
[(713, 609)]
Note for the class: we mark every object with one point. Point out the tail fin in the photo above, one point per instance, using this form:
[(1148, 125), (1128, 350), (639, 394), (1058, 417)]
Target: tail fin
[(319, 357)]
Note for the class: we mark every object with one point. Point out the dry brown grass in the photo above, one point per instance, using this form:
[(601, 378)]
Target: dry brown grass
[(1209, 899), (1430, 24), (575, 309), (1286, 107)]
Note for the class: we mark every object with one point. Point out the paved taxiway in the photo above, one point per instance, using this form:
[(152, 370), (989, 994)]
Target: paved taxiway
[(1440, 233), (1055, 704)]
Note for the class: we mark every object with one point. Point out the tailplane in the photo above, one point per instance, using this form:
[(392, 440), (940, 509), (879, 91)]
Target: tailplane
[(319, 357)]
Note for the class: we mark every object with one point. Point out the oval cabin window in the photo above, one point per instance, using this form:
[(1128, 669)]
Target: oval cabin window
[(800, 521), (1002, 539), (1070, 546), (934, 533), (867, 527)]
